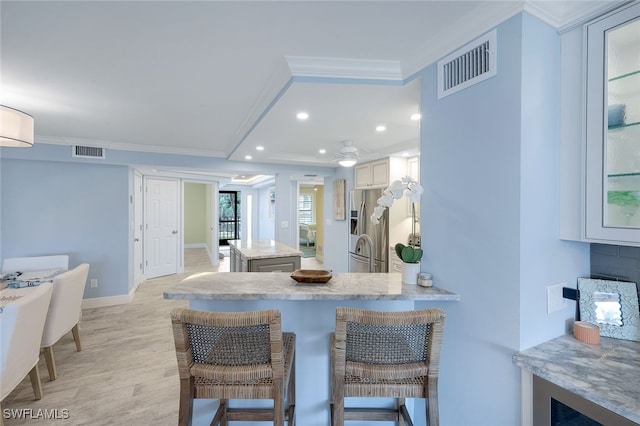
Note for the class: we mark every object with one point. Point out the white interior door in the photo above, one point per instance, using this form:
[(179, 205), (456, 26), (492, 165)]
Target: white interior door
[(138, 220), (161, 227)]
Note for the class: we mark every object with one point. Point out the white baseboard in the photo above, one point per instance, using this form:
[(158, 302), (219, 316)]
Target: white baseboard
[(101, 302), (196, 245)]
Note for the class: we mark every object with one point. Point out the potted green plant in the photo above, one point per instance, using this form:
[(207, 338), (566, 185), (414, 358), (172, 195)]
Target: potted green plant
[(408, 254)]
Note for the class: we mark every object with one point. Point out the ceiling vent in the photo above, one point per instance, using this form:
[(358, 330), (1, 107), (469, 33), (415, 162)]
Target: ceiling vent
[(88, 152), (468, 65)]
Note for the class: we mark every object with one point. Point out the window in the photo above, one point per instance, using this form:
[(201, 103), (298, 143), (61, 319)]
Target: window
[(305, 208), (229, 222)]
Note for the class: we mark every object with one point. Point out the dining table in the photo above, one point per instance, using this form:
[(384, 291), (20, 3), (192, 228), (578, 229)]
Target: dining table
[(27, 281)]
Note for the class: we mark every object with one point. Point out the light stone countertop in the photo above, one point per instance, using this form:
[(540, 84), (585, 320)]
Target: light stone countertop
[(280, 286), (263, 249), (607, 374)]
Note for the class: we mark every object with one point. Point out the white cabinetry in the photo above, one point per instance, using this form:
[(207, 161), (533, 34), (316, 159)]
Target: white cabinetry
[(372, 175), (413, 171), (612, 160), (395, 264)]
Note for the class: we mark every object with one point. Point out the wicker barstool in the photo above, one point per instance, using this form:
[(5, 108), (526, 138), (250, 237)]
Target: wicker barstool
[(235, 355), (385, 354)]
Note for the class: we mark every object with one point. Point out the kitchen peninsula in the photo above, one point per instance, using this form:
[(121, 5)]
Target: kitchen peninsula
[(262, 256), (309, 311)]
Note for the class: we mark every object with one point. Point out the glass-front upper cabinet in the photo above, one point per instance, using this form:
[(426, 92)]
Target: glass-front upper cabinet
[(613, 128)]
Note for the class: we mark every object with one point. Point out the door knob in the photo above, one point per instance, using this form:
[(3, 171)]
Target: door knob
[(136, 239), (174, 232)]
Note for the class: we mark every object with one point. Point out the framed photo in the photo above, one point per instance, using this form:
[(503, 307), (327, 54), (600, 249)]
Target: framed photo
[(612, 306), (339, 200)]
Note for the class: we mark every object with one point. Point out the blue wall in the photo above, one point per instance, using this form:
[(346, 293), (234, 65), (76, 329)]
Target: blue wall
[(489, 164), (77, 209)]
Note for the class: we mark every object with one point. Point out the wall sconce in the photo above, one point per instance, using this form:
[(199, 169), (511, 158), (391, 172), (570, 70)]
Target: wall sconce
[(16, 128)]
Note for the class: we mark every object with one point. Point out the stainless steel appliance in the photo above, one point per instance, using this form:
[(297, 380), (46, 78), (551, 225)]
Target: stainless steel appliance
[(362, 202)]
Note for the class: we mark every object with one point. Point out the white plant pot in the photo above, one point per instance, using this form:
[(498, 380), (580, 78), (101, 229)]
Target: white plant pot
[(410, 272)]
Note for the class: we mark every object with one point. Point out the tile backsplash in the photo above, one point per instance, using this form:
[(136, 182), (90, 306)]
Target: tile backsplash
[(616, 263)]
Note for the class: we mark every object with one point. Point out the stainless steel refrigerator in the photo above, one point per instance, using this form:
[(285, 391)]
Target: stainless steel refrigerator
[(361, 249)]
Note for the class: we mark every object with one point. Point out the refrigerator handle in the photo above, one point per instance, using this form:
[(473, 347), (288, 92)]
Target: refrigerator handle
[(361, 218)]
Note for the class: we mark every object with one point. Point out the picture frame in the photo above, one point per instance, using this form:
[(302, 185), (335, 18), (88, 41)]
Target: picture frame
[(339, 200), (612, 306)]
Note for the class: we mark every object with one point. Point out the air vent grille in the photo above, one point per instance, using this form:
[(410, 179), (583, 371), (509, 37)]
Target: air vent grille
[(468, 65), (88, 152)]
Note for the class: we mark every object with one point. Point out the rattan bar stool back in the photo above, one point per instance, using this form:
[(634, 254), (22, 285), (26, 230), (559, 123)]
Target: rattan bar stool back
[(385, 354), (235, 355)]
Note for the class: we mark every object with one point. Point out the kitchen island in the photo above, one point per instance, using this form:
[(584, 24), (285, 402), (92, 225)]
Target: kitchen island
[(309, 311), (262, 256), (600, 381)]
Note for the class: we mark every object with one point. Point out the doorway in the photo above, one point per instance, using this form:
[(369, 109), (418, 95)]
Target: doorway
[(310, 220), (229, 219)]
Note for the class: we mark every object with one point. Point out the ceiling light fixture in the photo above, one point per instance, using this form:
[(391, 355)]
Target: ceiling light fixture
[(16, 128), (348, 154), (348, 162), (248, 157), (381, 128), (322, 151), (259, 148), (302, 115)]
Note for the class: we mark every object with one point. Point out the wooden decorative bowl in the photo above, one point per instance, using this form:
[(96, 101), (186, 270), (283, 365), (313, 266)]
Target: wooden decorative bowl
[(311, 275)]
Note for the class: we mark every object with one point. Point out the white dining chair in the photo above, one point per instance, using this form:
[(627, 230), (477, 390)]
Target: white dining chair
[(64, 312), (21, 325), (35, 263)]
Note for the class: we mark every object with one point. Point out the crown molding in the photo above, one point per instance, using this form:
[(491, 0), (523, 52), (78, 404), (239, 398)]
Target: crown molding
[(564, 16), (344, 68), (278, 84), (468, 28)]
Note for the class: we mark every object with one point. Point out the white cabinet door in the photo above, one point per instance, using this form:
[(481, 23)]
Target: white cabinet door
[(380, 173), (413, 171), (372, 175), (612, 184), (362, 176)]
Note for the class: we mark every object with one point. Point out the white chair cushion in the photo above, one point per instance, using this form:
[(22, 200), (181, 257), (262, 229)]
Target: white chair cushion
[(65, 306), (21, 325)]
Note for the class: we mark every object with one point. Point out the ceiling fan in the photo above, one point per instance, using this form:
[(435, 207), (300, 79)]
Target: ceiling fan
[(347, 156)]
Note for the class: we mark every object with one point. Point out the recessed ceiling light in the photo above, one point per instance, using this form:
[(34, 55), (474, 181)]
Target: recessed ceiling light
[(248, 157), (416, 116), (322, 151), (405, 154), (381, 128), (302, 115), (260, 148)]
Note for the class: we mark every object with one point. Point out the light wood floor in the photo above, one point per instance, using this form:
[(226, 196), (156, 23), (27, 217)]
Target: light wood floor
[(126, 373)]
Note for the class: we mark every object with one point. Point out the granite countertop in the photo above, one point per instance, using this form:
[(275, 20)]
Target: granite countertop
[(263, 249), (607, 374), (280, 286)]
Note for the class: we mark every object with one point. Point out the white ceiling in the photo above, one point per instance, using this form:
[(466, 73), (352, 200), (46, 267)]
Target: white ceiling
[(219, 78)]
